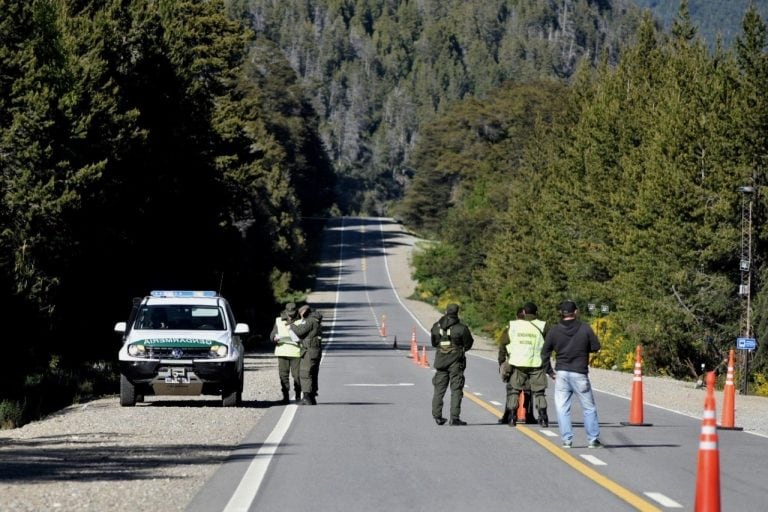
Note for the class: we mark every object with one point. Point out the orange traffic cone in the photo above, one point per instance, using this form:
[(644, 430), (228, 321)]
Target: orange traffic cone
[(414, 347), (708, 474), (521, 407), (636, 404), (729, 398), (383, 329), (423, 361)]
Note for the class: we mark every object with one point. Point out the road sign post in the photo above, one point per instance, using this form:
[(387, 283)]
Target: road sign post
[(746, 345)]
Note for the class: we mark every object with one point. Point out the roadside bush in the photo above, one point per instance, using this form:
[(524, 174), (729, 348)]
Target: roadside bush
[(55, 387), (616, 353), (760, 386), (11, 414)]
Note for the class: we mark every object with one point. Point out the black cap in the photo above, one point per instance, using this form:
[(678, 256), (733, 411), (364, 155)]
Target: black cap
[(452, 309), (568, 307)]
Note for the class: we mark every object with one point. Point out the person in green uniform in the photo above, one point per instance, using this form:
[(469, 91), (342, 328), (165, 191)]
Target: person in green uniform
[(529, 313), (308, 329), (523, 342), (288, 352), (452, 339)]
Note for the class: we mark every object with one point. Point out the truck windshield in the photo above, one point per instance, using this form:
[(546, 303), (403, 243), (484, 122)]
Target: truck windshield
[(186, 317)]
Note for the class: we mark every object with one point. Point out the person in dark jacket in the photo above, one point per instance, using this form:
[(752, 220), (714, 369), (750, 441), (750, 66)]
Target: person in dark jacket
[(308, 329), (452, 339), (572, 341)]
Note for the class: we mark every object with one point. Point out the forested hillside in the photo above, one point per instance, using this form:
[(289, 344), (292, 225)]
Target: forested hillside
[(713, 18), (143, 144), (622, 191), (380, 69)]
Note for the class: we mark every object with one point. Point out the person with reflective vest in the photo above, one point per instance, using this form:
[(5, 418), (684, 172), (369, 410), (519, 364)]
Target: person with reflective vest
[(288, 352), (506, 373), (452, 339), (308, 329), (522, 342)]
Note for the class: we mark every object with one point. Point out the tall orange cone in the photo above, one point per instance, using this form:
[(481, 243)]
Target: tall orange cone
[(636, 404), (521, 408), (708, 473), (383, 329), (423, 361), (729, 397)]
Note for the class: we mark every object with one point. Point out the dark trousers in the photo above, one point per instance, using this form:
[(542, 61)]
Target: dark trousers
[(525, 379), (452, 375), (287, 367), (309, 370)]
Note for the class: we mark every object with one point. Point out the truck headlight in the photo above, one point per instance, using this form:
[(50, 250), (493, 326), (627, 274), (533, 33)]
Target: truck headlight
[(136, 350), (219, 350)]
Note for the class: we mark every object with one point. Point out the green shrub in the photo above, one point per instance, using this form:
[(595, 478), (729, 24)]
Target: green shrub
[(11, 414)]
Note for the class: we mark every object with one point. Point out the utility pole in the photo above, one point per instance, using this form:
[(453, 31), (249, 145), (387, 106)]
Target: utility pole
[(745, 288)]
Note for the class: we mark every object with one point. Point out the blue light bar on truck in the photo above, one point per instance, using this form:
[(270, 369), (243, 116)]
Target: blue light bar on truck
[(182, 293)]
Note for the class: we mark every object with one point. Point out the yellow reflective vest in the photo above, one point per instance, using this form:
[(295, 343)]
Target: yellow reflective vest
[(526, 339), (287, 344)]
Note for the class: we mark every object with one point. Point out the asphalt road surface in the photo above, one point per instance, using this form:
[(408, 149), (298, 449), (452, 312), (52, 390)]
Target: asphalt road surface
[(371, 443)]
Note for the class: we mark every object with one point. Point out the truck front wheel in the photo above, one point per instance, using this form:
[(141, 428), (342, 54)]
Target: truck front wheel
[(127, 392)]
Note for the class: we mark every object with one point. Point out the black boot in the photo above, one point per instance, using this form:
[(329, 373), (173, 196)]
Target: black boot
[(298, 395), (505, 417), (285, 397), (543, 419), (308, 400)]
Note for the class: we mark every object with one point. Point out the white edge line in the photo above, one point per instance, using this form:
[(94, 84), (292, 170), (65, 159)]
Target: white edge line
[(391, 284), (331, 339), (593, 460), (663, 500), (372, 385), (249, 485)]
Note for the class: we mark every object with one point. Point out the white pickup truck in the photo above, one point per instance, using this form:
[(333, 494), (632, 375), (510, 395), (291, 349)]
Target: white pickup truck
[(181, 342)]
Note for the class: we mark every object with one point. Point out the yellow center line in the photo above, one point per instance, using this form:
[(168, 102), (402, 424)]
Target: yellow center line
[(608, 484)]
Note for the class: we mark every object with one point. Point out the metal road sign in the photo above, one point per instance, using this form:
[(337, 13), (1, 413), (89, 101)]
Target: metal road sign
[(746, 343)]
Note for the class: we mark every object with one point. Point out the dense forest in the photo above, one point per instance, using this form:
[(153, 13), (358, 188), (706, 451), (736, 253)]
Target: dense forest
[(143, 144), (624, 190), (379, 70), (714, 19)]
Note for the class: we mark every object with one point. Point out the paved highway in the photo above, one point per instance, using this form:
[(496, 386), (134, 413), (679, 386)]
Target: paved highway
[(371, 443)]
